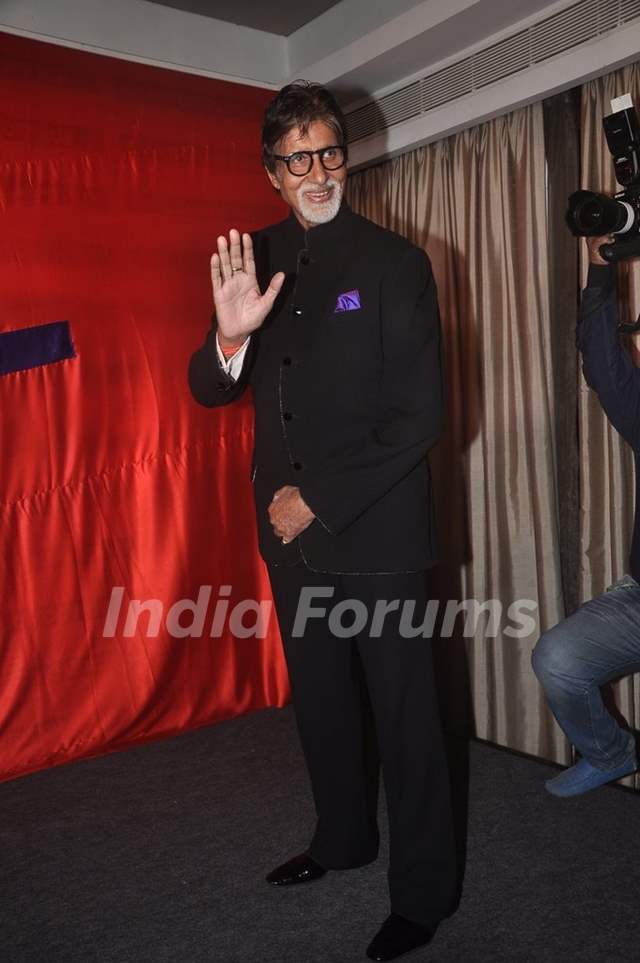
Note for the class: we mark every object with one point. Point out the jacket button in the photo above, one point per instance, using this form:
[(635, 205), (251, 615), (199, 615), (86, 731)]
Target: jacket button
[(297, 466), (286, 361), (304, 259), (287, 416)]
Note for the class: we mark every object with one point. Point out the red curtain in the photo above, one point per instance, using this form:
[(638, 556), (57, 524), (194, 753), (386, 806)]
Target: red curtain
[(115, 180)]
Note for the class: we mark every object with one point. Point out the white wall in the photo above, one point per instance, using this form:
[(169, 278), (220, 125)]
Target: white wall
[(153, 34)]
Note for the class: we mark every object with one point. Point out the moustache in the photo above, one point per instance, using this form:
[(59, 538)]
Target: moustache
[(317, 188)]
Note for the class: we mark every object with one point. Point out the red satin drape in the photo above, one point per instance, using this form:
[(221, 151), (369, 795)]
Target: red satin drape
[(115, 179)]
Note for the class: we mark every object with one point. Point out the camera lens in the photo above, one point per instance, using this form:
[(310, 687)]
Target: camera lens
[(592, 215)]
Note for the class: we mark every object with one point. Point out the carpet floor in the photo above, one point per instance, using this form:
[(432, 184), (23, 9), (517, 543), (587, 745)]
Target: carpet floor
[(159, 854)]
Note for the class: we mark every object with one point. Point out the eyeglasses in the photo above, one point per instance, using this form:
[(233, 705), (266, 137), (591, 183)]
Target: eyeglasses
[(301, 162)]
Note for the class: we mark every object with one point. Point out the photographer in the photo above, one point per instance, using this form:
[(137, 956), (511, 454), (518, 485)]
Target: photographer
[(601, 640)]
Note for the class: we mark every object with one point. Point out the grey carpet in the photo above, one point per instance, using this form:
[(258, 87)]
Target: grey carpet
[(158, 854)]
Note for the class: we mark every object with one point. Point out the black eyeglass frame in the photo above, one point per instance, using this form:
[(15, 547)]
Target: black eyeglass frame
[(309, 153)]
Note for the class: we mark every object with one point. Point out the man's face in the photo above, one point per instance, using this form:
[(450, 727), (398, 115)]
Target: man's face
[(315, 197)]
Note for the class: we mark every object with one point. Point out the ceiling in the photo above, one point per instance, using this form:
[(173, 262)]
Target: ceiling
[(282, 17)]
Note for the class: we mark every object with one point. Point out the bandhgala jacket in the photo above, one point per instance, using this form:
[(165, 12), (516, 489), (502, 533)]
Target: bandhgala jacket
[(347, 379)]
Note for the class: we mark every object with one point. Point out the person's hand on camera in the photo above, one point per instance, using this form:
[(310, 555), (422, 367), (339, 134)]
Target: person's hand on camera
[(240, 308), (594, 244)]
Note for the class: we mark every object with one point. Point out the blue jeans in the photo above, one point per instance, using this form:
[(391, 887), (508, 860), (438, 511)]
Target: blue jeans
[(599, 642)]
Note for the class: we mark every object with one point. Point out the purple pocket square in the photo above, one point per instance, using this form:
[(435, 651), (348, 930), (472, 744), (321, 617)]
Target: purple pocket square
[(349, 301)]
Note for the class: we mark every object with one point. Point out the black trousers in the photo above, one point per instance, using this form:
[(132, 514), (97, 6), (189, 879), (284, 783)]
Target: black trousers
[(361, 701)]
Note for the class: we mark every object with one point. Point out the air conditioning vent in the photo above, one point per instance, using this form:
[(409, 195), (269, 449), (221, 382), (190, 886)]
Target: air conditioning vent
[(401, 105), (577, 24), (629, 9), (500, 61), (446, 84)]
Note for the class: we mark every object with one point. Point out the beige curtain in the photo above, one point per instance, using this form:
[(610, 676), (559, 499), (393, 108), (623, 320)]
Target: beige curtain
[(607, 473), (476, 202)]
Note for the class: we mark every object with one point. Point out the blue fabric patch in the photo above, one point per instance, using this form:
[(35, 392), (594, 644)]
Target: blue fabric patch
[(349, 301), (32, 347)]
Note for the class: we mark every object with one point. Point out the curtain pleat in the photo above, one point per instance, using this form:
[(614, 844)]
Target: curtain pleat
[(477, 203), (562, 147)]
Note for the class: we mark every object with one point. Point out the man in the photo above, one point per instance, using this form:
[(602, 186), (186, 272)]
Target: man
[(600, 641), (343, 354)]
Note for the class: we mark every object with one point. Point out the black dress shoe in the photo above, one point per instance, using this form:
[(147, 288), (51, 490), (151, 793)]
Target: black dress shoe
[(300, 869), (396, 936)]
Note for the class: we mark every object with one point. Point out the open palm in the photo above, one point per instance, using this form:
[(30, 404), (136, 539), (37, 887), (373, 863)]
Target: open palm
[(240, 307)]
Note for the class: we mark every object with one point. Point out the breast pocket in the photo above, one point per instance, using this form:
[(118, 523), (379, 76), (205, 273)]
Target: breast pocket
[(351, 339)]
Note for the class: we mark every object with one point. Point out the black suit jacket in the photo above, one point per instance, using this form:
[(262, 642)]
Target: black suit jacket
[(347, 379)]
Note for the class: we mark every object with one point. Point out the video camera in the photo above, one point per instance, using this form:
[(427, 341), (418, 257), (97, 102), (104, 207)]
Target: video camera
[(593, 215)]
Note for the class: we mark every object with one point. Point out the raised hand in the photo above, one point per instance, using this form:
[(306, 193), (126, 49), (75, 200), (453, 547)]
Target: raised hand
[(240, 308)]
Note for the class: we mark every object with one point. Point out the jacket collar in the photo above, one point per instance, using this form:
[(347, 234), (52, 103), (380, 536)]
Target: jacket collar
[(321, 236)]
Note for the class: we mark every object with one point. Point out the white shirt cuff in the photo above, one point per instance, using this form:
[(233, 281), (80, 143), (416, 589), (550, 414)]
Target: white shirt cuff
[(233, 365)]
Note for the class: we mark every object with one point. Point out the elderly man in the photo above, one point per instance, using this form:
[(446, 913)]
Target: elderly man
[(343, 354)]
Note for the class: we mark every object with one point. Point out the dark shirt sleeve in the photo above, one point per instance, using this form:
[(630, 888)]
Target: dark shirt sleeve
[(209, 382), (411, 403), (606, 364)]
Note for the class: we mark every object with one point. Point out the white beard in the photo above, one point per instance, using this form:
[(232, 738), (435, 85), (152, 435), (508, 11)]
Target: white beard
[(321, 213)]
